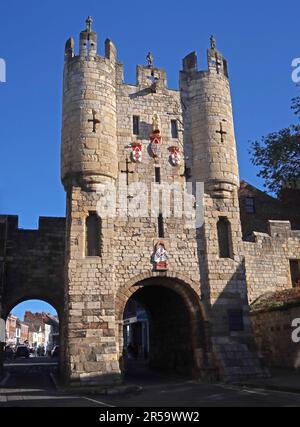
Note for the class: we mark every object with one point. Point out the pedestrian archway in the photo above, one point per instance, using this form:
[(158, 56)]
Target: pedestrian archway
[(32, 348), (162, 326)]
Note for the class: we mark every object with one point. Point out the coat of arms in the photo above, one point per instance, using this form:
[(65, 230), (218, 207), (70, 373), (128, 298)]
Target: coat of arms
[(175, 156), (155, 146), (136, 153)]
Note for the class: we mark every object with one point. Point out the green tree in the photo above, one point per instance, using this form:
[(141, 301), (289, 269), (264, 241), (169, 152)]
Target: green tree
[(278, 155)]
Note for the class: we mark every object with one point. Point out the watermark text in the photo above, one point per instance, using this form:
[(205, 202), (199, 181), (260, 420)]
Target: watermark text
[(2, 71)]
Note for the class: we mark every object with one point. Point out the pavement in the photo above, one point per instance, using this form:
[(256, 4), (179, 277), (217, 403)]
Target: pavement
[(29, 383), (281, 380)]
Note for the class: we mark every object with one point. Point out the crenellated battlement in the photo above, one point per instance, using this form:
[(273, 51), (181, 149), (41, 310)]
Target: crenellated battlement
[(88, 50), (88, 46), (268, 257), (46, 224), (216, 63), (277, 231)]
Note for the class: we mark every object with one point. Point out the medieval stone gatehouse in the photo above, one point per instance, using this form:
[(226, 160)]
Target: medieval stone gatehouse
[(188, 265)]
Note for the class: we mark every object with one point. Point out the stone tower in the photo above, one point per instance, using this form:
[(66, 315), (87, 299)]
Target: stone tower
[(89, 159), (210, 142), (89, 148)]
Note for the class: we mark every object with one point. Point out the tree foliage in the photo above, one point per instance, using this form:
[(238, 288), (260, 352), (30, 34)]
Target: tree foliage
[(278, 155)]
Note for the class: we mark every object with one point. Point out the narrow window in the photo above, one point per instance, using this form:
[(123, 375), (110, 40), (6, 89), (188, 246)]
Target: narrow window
[(136, 125), (93, 235), (249, 203), (236, 320), (295, 272), (161, 229), (224, 238), (157, 175), (174, 129)]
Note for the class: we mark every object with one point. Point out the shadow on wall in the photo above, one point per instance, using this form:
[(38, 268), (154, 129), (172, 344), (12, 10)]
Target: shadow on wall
[(224, 294)]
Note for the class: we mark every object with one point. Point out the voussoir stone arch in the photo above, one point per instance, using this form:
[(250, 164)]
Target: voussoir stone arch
[(189, 293), (184, 286)]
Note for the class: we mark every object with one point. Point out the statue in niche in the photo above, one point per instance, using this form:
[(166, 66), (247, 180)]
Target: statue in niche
[(155, 123), (161, 257)]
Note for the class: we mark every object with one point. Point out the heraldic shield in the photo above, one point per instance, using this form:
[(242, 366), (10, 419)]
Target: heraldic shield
[(175, 156), (156, 142), (137, 152)]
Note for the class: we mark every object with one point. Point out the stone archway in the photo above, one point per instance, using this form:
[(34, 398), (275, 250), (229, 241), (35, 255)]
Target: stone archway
[(179, 327), (12, 303)]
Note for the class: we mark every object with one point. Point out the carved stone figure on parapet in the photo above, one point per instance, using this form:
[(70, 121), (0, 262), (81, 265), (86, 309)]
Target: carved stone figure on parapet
[(150, 59), (213, 43), (89, 22)]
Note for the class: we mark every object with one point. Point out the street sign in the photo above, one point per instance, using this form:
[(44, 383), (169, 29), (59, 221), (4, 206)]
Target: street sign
[(2, 331), (129, 321)]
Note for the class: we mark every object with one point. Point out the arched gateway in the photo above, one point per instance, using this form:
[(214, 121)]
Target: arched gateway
[(177, 327)]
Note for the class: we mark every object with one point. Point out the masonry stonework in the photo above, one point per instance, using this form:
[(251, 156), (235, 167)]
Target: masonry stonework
[(268, 259), (198, 300)]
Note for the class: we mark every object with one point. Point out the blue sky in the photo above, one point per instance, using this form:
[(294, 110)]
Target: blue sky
[(34, 306), (259, 39)]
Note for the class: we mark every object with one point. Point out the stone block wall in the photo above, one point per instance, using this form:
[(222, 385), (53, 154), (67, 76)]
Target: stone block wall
[(33, 263), (273, 335), (267, 259)]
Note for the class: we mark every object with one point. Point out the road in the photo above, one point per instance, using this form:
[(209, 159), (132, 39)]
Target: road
[(30, 385)]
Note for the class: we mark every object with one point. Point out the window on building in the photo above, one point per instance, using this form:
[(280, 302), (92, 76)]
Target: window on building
[(174, 129), (93, 235), (249, 203), (157, 175), (136, 125), (236, 320), (224, 238), (295, 272), (161, 228)]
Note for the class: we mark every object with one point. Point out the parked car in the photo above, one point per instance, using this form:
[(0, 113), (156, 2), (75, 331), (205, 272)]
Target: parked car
[(55, 351), (22, 351)]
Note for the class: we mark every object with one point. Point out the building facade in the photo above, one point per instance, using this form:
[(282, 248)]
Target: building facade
[(44, 328), (11, 326), (153, 216)]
